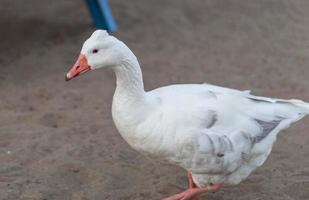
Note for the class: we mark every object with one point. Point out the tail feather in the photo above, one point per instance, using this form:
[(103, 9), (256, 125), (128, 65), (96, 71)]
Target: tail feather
[(304, 106)]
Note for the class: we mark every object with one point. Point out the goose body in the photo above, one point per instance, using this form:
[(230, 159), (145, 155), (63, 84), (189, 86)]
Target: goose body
[(219, 135)]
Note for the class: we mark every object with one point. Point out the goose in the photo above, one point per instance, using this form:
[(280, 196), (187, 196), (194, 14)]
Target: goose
[(218, 135)]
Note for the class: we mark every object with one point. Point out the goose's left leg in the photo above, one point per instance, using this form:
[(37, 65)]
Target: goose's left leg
[(194, 192)]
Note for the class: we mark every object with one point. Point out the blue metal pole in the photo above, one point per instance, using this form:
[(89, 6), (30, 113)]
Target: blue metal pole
[(101, 15)]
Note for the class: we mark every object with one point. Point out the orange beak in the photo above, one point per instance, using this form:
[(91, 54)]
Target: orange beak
[(81, 66)]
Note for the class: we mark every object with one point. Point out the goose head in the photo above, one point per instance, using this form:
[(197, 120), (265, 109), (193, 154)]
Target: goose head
[(101, 50)]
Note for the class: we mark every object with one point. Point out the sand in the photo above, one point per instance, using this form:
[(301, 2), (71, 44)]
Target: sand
[(57, 138)]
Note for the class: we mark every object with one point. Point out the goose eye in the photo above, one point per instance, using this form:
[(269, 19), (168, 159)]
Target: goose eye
[(95, 51)]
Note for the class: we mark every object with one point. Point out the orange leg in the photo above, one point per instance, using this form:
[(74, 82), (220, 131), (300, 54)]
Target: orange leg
[(193, 192), (190, 180)]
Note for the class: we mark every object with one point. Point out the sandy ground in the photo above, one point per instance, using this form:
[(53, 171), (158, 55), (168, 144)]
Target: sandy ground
[(57, 139)]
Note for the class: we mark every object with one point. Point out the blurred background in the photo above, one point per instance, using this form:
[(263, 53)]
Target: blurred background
[(57, 138)]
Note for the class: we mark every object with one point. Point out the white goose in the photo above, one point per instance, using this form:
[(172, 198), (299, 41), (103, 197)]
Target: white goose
[(218, 135)]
